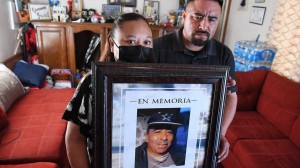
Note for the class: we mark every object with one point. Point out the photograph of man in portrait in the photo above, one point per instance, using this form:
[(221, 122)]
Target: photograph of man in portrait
[(161, 137)]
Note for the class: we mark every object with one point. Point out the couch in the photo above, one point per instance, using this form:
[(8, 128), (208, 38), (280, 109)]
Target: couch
[(265, 132), (31, 129)]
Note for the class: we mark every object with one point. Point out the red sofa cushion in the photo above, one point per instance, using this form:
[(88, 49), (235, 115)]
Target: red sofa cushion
[(251, 125), (295, 133), (249, 87), (279, 102), (32, 165), (36, 130), (3, 120), (230, 161), (267, 153)]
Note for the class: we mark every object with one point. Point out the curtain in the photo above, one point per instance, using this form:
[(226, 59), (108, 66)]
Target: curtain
[(284, 34)]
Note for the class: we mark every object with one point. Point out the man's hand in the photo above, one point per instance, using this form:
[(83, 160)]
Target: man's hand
[(230, 82), (223, 149)]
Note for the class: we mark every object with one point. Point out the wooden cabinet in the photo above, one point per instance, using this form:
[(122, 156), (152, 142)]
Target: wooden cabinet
[(60, 45), (56, 43), (52, 46)]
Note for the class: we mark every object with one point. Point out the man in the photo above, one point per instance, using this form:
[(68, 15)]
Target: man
[(193, 44), (157, 150)]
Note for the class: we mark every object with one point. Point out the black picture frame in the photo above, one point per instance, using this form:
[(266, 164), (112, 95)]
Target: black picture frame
[(257, 15), (129, 3), (116, 85)]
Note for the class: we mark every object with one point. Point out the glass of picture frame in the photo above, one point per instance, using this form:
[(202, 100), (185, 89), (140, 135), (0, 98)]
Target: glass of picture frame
[(257, 15), (39, 12), (151, 9), (126, 95), (77, 9), (111, 10)]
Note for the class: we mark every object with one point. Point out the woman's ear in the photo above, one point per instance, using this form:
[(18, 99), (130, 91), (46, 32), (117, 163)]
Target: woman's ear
[(111, 45)]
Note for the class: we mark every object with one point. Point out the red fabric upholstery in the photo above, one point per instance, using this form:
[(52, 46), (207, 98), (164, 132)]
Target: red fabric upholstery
[(267, 153), (265, 131), (251, 125), (32, 165), (36, 130), (279, 102), (249, 87), (295, 133), (3, 120), (232, 161)]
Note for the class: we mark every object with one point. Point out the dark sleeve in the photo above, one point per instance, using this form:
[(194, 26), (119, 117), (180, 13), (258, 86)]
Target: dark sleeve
[(141, 156), (231, 64), (156, 46)]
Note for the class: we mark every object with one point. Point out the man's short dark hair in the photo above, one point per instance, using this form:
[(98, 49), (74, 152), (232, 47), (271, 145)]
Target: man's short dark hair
[(219, 1)]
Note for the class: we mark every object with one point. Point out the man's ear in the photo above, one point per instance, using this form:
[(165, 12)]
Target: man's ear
[(111, 45), (183, 14), (146, 138)]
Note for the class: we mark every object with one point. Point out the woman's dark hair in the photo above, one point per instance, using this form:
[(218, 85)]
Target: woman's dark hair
[(107, 55)]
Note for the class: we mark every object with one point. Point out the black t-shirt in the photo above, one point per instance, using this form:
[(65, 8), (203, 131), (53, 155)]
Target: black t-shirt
[(170, 49)]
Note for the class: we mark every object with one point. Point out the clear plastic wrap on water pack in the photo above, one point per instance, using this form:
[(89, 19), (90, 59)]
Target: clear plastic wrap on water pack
[(251, 55)]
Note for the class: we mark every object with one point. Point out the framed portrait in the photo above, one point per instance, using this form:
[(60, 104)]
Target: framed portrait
[(39, 12), (130, 3), (134, 104), (257, 15), (77, 9), (126, 9), (151, 9), (111, 10)]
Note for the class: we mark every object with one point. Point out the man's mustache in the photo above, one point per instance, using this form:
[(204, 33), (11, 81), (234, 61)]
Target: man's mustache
[(202, 32), (163, 143)]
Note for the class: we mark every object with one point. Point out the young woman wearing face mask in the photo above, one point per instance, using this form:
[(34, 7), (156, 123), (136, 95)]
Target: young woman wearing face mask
[(130, 40)]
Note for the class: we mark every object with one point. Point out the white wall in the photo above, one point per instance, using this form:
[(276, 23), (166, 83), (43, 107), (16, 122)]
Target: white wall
[(8, 41), (238, 26)]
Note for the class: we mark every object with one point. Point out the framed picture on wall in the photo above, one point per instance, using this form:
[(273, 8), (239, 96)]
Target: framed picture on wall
[(112, 11), (130, 3), (39, 12), (131, 100), (151, 9), (257, 15)]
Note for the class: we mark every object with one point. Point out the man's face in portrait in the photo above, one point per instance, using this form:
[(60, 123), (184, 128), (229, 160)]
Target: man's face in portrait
[(159, 140)]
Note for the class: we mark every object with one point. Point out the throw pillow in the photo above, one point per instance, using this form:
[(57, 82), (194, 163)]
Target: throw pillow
[(10, 88), (30, 74)]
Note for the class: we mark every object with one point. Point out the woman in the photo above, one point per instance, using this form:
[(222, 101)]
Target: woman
[(130, 40)]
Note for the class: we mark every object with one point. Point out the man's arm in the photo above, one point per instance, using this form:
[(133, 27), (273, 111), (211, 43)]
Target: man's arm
[(229, 112), (76, 146)]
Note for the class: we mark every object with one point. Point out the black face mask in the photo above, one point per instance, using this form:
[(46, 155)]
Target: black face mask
[(136, 53)]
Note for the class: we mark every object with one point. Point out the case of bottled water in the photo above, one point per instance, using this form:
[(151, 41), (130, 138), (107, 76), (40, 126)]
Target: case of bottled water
[(249, 55)]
